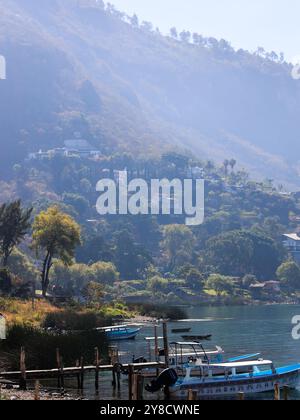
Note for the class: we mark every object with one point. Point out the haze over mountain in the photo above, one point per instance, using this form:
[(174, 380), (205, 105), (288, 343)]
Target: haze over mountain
[(74, 66)]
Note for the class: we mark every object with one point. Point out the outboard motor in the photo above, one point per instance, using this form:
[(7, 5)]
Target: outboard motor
[(168, 377)]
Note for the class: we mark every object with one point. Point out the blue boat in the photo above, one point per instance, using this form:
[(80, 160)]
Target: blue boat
[(120, 332), (230, 382)]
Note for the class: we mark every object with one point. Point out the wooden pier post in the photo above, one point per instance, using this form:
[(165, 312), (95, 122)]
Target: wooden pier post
[(277, 392), (82, 374), (78, 374), (23, 383), (166, 344), (241, 396), (140, 387), (37, 391), (97, 363), (130, 381), (286, 393), (58, 368), (192, 395), (166, 353), (156, 349)]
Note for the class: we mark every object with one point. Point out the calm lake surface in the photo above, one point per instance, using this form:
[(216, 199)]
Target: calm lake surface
[(238, 330)]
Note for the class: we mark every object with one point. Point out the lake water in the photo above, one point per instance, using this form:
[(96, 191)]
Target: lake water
[(238, 330)]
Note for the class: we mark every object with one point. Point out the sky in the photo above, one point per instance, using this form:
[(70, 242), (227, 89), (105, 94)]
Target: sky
[(272, 24)]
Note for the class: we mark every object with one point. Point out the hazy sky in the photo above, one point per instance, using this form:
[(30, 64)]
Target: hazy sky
[(273, 24)]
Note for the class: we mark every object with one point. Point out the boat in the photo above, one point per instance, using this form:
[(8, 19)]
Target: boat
[(181, 330), (260, 376), (197, 337), (120, 332)]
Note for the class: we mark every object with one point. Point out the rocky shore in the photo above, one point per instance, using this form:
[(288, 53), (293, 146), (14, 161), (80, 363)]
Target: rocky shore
[(16, 395)]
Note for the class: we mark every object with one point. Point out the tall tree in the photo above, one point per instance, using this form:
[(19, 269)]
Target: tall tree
[(14, 224), (232, 163), (178, 244), (57, 235), (226, 164), (174, 33)]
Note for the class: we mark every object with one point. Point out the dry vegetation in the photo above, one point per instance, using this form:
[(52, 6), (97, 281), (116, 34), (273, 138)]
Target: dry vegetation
[(23, 312)]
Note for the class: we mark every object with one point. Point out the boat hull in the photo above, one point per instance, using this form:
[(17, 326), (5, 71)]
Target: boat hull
[(122, 335), (206, 388)]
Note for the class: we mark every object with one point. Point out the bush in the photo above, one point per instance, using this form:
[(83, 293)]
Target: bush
[(161, 312), (72, 321), (40, 347), (5, 281)]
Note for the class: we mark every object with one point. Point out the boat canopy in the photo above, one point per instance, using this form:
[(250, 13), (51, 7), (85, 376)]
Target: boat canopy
[(244, 357), (242, 364)]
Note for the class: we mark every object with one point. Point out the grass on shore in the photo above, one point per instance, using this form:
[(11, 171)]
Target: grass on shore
[(22, 312)]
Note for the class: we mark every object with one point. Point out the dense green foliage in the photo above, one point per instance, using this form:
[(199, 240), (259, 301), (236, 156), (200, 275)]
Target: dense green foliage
[(154, 257)]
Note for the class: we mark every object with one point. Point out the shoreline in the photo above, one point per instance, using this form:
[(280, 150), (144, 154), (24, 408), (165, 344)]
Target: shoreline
[(16, 394)]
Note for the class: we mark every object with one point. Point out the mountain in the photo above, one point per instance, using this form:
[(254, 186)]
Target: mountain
[(76, 65)]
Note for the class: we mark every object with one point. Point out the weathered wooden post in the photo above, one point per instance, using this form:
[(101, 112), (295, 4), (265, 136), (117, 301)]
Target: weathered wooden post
[(62, 375), (58, 368), (166, 353), (97, 368), (37, 391), (286, 393), (241, 396), (140, 387), (192, 395), (23, 383), (166, 344), (130, 381), (156, 351), (277, 392), (78, 374), (82, 373)]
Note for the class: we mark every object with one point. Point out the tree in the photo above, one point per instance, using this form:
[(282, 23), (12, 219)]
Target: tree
[(232, 164), (178, 240), (226, 164), (174, 33), (220, 283), (14, 224), (289, 275), (5, 281), (242, 252), (93, 293), (248, 280), (134, 21), (158, 285), (194, 279), (185, 36), (56, 234)]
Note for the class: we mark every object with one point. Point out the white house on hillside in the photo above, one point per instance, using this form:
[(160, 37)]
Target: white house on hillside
[(292, 244)]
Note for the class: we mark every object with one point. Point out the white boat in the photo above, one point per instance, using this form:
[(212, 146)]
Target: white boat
[(120, 332), (261, 376)]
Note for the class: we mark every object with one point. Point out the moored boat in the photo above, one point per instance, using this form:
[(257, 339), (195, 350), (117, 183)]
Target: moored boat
[(230, 383), (120, 332)]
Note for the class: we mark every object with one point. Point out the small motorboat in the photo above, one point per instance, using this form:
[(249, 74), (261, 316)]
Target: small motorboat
[(120, 332), (181, 330), (259, 376), (197, 337)]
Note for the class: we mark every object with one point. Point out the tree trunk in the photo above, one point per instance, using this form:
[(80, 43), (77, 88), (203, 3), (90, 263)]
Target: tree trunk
[(45, 274)]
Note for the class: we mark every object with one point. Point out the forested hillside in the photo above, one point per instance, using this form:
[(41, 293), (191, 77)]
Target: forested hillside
[(76, 65)]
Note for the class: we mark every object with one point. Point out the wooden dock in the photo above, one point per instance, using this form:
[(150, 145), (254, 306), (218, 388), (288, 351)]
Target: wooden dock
[(73, 371), (134, 371)]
